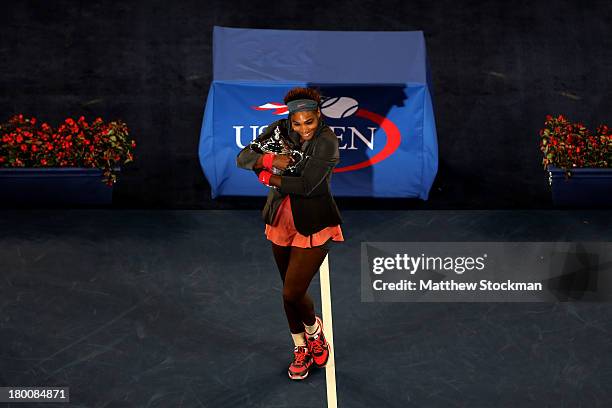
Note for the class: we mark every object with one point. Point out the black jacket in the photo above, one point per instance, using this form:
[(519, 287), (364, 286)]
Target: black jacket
[(312, 204)]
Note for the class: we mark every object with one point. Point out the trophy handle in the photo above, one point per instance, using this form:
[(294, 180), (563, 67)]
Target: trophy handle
[(300, 158)]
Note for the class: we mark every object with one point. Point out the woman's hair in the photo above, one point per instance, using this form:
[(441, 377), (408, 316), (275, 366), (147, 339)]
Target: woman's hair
[(303, 93)]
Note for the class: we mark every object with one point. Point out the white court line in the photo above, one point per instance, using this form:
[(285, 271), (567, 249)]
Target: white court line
[(330, 368)]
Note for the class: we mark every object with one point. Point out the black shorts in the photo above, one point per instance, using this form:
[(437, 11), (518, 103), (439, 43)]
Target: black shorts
[(327, 245)]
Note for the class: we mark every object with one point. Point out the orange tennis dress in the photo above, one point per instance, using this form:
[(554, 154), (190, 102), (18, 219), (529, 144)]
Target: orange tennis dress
[(283, 231)]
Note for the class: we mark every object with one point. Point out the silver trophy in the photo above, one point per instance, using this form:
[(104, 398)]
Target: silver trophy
[(279, 144)]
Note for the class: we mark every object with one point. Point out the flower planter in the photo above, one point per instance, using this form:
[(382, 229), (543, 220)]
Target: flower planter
[(53, 187), (585, 188)]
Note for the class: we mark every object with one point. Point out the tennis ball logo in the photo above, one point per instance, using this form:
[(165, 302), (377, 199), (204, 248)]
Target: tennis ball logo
[(339, 107)]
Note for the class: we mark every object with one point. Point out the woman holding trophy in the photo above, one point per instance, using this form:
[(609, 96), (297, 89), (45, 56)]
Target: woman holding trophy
[(295, 157)]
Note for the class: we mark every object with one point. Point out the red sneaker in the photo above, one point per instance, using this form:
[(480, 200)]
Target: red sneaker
[(318, 346), (302, 360)]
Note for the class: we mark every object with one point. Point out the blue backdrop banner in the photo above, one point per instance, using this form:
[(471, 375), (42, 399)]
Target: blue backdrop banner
[(385, 128)]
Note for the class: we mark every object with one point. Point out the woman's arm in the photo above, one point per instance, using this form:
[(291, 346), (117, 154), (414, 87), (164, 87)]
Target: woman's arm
[(318, 166), (279, 161), (251, 160)]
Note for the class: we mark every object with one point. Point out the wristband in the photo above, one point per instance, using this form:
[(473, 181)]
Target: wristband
[(264, 177), (267, 160)]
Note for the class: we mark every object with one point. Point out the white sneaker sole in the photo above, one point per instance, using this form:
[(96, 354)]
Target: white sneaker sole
[(296, 377)]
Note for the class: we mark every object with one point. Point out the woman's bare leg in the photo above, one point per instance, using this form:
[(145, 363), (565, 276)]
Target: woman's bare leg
[(303, 264)]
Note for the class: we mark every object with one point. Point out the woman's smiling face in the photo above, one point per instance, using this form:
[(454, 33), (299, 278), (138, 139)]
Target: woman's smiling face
[(305, 123)]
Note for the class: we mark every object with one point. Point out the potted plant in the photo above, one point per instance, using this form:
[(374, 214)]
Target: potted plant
[(75, 163), (578, 161)]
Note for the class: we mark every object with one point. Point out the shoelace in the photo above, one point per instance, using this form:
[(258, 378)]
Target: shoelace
[(316, 344), (299, 356)]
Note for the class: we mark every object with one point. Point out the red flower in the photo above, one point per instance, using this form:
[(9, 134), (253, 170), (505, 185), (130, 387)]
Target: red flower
[(70, 144)]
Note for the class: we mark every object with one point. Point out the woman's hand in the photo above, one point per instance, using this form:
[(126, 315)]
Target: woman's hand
[(282, 161)]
